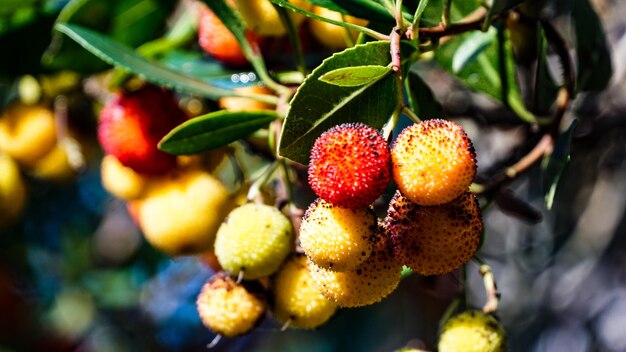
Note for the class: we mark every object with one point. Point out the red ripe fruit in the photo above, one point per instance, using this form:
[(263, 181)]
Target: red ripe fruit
[(218, 41), (132, 124), (350, 165)]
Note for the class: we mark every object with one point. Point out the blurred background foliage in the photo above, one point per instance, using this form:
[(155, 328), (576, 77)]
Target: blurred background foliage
[(75, 273)]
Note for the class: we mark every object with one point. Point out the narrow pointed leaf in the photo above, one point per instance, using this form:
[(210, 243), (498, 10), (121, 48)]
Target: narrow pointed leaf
[(125, 57), (214, 130), (473, 46), (355, 76)]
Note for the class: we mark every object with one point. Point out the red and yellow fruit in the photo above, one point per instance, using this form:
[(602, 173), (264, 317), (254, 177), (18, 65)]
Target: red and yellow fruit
[(472, 331), (433, 162), (27, 133), (297, 300), (434, 240), (350, 165), (337, 238), (132, 124), (12, 190), (121, 181), (330, 35), (228, 308), (263, 19)]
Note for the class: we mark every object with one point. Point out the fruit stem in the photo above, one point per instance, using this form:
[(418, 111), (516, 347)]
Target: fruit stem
[(294, 39), (347, 36), (490, 286), (410, 114), (398, 14), (214, 342), (445, 16), (255, 188)]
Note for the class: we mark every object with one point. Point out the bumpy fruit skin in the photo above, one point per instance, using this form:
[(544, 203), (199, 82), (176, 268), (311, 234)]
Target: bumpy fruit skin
[(121, 181), (132, 125), (255, 239), (181, 212), (337, 238), (27, 133), (369, 283), (263, 19), (218, 41), (330, 35), (434, 240), (297, 299), (246, 104), (12, 190), (472, 331), (228, 308), (434, 162), (350, 165)]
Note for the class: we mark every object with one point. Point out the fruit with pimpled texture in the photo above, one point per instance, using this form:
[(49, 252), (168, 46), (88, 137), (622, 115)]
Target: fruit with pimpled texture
[(263, 19), (132, 124), (330, 35), (181, 212), (218, 41), (12, 190), (369, 283), (434, 240), (472, 331), (297, 299), (27, 132), (350, 165), (434, 162), (337, 238), (246, 104), (121, 181), (254, 239), (228, 308)]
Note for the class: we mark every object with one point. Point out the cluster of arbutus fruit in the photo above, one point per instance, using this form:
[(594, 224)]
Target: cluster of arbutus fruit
[(342, 255)]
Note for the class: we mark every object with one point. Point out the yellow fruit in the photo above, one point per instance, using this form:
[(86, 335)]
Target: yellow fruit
[(181, 212), (12, 190), (255, 239), (472, 331), (228, 308), (121, 181), (337, 238), (331, 35), (246, 104), (370, 282), (263, 19), (437, 239), (54, 166), (27, 133), (296, 298), (433, 162)]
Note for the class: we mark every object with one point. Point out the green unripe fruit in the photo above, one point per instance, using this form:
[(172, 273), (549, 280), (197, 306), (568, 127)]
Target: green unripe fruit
[(228, 308), (296, 298), (337, 238), (368, 283), (254, 239), (472, 331)]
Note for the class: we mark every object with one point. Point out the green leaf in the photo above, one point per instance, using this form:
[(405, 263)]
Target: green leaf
[(317, 106), (421, 98), (554, 164), (593, 56), (355, 76), (419, 11), (214, 130), (123, 56), (469, 50)]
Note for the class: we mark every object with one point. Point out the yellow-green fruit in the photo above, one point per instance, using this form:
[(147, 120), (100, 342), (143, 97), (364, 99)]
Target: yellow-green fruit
[(331, 35), (472, 331), (121, 181), (181, 212), (228, 308), (27, 133), (54, 166), (297, 299), (437, 239), (337, 238), (433, 162), (12, 190), (263, 19), (255, 239), (370, 282)]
